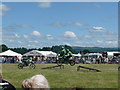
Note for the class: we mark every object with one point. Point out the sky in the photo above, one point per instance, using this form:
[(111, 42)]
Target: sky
[(44, 24)]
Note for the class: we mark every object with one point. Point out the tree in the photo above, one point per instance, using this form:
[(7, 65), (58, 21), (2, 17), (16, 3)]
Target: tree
[(46, 49), (56, 49), (3, 48), (85, 51), (20, 50), (68, 47)]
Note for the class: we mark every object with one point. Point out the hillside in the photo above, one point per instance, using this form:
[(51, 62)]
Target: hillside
[(94, 49)]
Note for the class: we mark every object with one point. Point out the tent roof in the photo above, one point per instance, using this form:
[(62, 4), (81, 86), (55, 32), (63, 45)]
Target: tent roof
[(33, 53), (77, 55), (10, 53), (40, 53), (111, 53), (89, 54), (95, 54), (48, 53)]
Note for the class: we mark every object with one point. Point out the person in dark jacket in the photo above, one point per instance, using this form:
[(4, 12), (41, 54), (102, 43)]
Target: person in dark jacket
[(5, 85)]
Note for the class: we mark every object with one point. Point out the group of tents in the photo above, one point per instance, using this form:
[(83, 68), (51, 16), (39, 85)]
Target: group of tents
[(32, 53), (45, 53)]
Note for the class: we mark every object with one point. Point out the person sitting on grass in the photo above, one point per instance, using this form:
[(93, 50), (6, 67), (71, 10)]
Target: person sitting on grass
[(37, 82)]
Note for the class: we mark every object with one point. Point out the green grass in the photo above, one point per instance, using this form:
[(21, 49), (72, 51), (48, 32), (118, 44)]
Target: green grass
[(68, 77)]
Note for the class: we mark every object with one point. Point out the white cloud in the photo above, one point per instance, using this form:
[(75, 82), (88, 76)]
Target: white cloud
[(29, 45), (44, 4), (36, 41), (59, 24), (110, 36), (17, 36), (25, 36), (3, 9), (104, 43), (100, 41), (70, 34), (20, 42), (77, 24), (33, 41), (36, 33), (98, 29), (30, 41), (49, 37), (11, 40), (112, 42), (87, 36), (83, 44)]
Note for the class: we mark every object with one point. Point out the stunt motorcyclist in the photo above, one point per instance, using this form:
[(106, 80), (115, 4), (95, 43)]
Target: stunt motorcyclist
[(26, 61), (65, 54), (69, 54)]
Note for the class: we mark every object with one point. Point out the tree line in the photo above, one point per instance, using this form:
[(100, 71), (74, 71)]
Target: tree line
[(23, 50), (57, 48)]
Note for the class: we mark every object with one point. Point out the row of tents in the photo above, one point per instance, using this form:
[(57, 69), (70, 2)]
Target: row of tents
[(32, 53), (47, 53)]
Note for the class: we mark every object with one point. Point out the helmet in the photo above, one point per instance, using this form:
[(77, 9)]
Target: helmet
[(62, 47)]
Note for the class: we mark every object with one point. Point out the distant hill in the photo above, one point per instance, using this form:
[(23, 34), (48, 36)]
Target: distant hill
[(94, 49)]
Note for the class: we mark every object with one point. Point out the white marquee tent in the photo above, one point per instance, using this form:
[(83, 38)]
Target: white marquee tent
[(33, 53), (77, 55), (111, 53), (10, 53), (99, 54), (40, 53), (48, 53)]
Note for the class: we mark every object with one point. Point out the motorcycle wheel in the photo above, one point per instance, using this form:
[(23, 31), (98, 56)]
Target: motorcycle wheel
[(32, 66), (72, 63), (20, 66), (59, 62)]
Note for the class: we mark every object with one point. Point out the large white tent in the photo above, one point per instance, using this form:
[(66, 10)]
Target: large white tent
[(40, 53), (98, 54), (10, 53), (77, 55), (48, 53), (111, 53), (33, 53), (94, 55)]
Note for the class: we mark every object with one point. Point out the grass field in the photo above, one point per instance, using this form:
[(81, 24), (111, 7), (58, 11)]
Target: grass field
[(68, 77)]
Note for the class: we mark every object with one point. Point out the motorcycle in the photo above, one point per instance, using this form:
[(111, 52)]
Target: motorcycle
[(66, 60), (26, 63)]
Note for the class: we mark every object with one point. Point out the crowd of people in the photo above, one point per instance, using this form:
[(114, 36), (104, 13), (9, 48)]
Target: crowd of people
[(83, 60), (99, 60), (65, 54), (39, 82)]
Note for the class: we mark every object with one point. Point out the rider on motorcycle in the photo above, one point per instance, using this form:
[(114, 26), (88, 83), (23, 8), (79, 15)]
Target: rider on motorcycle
[(26, 61), (65, 54), (69, 54)]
